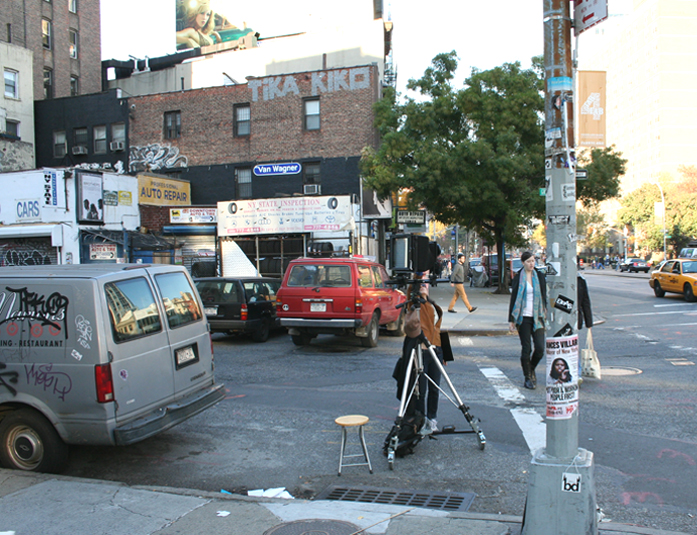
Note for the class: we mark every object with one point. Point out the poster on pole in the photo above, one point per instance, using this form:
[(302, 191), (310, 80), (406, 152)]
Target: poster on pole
[(562, 377), (591, 113)]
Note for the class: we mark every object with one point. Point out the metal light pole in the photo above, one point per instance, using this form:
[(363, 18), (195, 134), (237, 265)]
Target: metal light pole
[(663, 201), (561, 489)]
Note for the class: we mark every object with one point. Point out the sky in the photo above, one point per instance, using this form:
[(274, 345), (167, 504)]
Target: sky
[(484, 33)]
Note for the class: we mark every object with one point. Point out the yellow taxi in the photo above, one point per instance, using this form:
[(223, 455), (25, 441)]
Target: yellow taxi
[(676, 276)]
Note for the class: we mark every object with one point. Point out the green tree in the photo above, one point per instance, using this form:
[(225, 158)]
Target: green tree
[(605, 167), (474, 156)]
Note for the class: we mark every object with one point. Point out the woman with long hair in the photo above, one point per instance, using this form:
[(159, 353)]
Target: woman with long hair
[(526, 313), (198, 21)]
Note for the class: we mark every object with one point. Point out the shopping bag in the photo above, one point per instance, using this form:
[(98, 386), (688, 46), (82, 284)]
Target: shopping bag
[(590, 365)]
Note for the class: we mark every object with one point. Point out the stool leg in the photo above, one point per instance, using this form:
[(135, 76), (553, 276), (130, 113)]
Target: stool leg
[(365, 449), (343, 448)]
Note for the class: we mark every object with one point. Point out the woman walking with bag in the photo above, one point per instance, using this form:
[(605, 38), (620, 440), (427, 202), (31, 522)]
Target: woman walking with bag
[(526, 313)]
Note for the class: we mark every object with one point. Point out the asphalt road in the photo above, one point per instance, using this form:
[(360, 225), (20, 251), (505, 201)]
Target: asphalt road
[(276, 426)]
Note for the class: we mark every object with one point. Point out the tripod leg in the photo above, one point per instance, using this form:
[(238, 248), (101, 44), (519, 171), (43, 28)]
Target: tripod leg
[(460, 405), (412, 365)]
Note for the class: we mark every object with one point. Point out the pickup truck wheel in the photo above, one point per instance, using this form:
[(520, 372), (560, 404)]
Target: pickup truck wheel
[(689, 294), (399, 331), (657, 290), (372, 339), (29, 442), (262, 333), (302, 339)]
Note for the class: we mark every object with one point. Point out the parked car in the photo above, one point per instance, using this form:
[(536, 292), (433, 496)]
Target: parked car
[(676, 276), (515, 265), (245, 305), (338, 296), (490, 262), (98, 355), (473, 262), (634, 265)]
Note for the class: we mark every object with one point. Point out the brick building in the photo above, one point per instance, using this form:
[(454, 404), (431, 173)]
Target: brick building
[(64, 36), (214, 137)]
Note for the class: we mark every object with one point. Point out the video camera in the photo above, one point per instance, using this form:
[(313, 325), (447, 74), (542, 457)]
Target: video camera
[(411, 254)]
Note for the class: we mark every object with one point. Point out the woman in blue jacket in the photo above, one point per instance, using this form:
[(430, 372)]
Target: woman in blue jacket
[(526, 313)]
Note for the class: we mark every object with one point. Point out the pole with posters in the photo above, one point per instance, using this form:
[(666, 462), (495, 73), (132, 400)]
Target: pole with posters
[(561, 489)]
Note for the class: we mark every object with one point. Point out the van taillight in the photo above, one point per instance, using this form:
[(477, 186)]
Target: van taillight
[(359, 306), (105, 386), (243, 312)]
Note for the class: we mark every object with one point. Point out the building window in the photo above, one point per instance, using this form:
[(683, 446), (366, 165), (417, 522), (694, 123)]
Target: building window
[(9, 32), (12, 127), (48, 83), (59, 145), (80, 137), (311, 114), (118, 132), (243, 120), (72, 6), (72, 43), (99, 133), (244, 183), (74, 86), (46, 33), (311, 173), (11, 84), (173, 124)]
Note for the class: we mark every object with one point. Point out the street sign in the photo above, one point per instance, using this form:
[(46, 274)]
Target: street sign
[(581, 174), (588, 13), (415, 217)]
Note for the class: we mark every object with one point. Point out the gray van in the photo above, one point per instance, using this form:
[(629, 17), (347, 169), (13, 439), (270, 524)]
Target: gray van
[(98, 354)]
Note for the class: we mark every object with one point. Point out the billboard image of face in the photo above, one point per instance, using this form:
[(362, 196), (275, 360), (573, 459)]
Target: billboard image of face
[(198, 25)]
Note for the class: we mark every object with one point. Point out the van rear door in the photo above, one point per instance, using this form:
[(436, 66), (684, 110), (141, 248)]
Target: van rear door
[(141, 362)]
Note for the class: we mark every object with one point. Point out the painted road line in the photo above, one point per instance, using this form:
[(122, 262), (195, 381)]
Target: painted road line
[(528, 419)]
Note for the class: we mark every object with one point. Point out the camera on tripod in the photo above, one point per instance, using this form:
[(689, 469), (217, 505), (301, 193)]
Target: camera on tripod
[(411, 254)]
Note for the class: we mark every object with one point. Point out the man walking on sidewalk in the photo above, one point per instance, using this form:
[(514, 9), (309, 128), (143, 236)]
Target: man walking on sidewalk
[(457, 280)]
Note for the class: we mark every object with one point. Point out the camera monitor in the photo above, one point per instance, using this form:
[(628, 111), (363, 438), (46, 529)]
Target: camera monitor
[(410, 253)]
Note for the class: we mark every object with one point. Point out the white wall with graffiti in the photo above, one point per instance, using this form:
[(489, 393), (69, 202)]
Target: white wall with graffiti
[(40, 214)]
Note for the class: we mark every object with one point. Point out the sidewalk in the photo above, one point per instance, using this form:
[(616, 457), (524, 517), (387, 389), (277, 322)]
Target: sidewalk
[(42, 504)]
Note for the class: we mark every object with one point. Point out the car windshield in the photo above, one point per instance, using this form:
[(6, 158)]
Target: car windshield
[(312, 275), (689, 267)]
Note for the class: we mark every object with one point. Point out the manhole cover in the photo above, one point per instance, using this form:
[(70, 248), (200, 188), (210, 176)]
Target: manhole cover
[(619, 370), (445, 501), (314, 527)]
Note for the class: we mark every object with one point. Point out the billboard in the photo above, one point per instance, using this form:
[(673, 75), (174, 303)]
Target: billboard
[(591, 113), (200, 24)]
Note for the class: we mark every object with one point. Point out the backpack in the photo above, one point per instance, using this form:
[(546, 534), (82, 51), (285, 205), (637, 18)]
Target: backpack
[(408, 435)]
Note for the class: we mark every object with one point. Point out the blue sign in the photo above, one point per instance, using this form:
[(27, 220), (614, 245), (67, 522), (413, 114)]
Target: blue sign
[(270, 169)]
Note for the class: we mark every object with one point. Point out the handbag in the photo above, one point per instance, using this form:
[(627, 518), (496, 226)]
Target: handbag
[(590, 365)]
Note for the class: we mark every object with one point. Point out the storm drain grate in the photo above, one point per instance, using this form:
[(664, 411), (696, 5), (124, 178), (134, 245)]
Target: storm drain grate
[(446, 501)]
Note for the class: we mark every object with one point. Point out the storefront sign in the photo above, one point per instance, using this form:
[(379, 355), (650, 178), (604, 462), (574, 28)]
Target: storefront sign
[(102, 251), (193, 215), (28, 210), (285, 215), (111, 198), (163, 191), (277, 169), (125, 198)]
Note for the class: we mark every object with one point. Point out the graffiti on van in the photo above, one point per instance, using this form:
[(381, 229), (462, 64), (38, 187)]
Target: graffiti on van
[(84, 331), (17, 304), (58, 383), (6, 377)]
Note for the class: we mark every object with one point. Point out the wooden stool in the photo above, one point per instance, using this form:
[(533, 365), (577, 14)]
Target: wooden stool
[(353, 420)]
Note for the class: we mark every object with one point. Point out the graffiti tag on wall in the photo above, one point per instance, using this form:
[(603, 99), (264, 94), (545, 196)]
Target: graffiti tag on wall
[(25, 253), (155, 156)]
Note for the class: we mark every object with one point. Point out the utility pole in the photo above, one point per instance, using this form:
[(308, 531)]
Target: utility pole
[(561, 488)]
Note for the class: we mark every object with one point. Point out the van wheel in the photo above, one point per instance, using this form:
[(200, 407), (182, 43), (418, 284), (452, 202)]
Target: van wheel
[(689, 294), (372, 339), (29, 442), (262, 333), (302, 339), (657, 290)]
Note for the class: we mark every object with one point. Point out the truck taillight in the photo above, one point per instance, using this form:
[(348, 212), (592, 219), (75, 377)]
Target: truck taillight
[(279, 304), (243, 312), (105, 385), (359, 306)]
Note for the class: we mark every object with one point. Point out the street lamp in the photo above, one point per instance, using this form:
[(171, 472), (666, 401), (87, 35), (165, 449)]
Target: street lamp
[(663, 202)]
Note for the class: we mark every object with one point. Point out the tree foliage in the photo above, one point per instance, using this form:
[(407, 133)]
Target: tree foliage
[(605, 167)]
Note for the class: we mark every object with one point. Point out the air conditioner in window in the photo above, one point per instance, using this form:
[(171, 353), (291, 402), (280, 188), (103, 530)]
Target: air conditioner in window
[(312, 189), (79, 149), (116, 146)]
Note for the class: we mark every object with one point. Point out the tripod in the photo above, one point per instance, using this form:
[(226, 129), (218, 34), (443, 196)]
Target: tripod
[(415, 366)]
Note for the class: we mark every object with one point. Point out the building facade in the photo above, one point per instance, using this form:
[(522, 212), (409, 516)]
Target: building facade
[(64, 36), (16, 109)]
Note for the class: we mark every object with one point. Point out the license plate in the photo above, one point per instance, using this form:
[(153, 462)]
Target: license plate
[(318, 307), (185, 356), (210, 311)]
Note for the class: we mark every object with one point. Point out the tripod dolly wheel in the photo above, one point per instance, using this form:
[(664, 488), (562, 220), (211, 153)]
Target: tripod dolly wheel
[(482, 440)]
